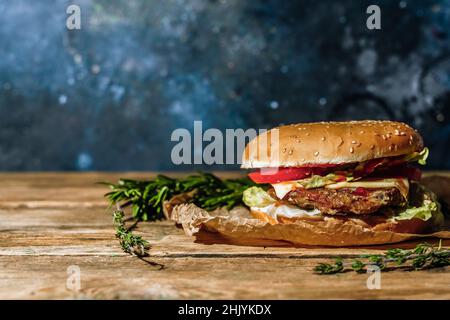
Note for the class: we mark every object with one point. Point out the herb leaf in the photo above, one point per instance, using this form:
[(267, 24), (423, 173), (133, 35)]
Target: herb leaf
[(129, 242), (147, 197), (326, 268), (423, 256)]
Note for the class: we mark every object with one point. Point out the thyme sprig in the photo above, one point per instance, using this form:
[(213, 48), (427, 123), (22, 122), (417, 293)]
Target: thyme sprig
[(147, 197), (423, 256), (129, 242)]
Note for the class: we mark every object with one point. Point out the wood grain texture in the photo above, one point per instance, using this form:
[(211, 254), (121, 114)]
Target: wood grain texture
[(50, 221)]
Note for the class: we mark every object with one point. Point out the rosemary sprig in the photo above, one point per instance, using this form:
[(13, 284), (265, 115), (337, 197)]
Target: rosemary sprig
[(129, 242), (423, 256), (147, 197)]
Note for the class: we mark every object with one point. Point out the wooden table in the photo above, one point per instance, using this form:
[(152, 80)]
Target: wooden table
[(52, 224)]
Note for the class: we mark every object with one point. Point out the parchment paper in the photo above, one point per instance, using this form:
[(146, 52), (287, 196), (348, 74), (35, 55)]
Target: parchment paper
[(238, 223)]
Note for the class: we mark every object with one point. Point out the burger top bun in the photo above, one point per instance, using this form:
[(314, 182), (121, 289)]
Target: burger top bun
[(303, 144)]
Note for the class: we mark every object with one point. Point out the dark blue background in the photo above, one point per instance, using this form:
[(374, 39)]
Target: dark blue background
[(108, 96)]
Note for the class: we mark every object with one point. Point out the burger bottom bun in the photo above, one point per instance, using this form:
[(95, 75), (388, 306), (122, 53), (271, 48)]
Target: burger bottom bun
[(416, 226), (241, 224)]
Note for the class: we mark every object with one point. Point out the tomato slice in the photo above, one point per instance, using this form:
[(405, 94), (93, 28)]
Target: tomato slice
[(368, 167), (287, 174), (361, 192), (375, 165), (400, 171), (380, 168)]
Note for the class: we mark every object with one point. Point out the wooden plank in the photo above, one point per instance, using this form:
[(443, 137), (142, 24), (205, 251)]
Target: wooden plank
[(74, 190), (45, 277), (89, 231), (49, 221), (81, 189)]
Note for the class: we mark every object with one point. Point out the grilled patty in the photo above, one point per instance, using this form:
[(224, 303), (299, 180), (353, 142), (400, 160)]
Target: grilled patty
[(332, 201)]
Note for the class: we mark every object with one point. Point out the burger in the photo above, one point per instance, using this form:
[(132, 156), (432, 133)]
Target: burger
[(352, 176)]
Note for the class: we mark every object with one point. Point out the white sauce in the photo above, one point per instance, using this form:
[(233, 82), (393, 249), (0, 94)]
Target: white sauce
[(274, 210)]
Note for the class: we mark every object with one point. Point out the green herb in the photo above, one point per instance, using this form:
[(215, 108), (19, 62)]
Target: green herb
[(129, 242), (147, 197), (326, 268), (423, 256)]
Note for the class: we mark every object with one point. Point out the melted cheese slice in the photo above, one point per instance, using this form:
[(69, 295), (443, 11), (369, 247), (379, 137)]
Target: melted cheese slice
[(283, 188), (402, 184), (274, 210)]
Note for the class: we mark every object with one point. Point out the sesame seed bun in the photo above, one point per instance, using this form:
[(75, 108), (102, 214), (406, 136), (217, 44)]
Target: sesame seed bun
[(303, 144)]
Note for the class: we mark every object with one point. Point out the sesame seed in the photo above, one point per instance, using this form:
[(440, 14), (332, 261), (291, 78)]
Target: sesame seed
[(351, 149), (307, 133), (298, 141), (372, 147), (353, 142), (362, 131), (316, 153), (323, 138), (303, 159), (284, 150), (290, 152)]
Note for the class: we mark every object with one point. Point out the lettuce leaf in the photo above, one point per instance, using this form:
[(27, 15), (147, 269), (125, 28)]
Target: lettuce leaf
[(419, 157), (430, 209), (257, 197), (317, 181), (424, 212)]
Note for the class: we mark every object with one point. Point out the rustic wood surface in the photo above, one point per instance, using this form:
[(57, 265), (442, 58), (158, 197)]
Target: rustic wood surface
[(51, 221)]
